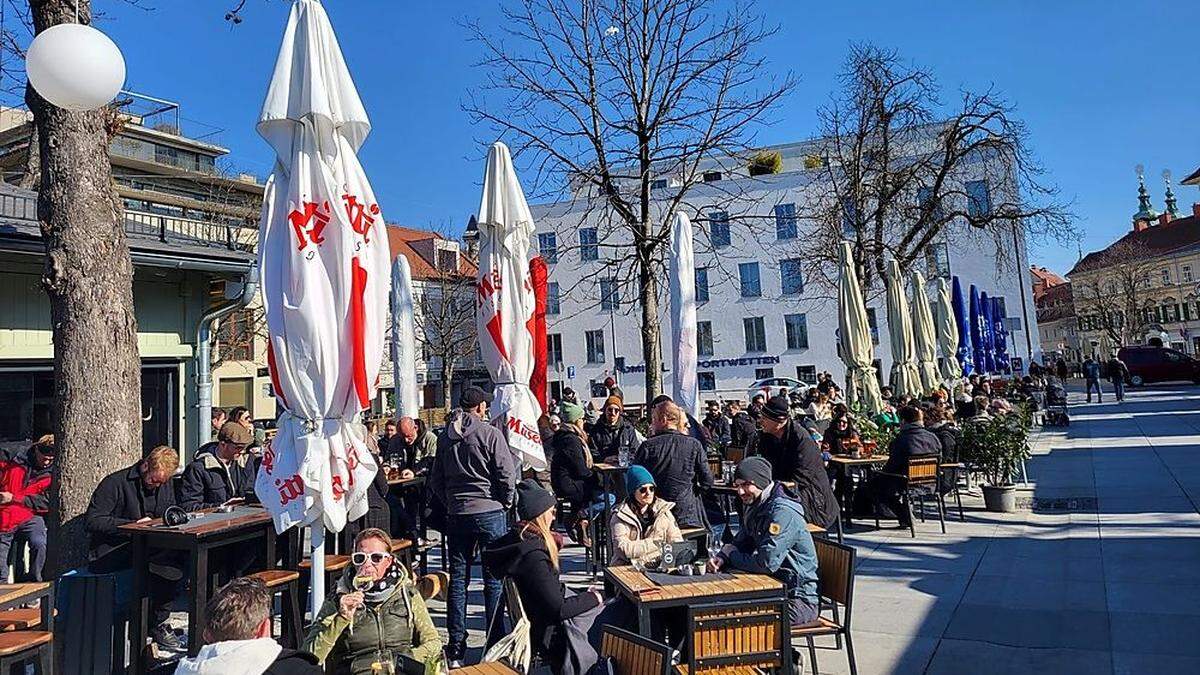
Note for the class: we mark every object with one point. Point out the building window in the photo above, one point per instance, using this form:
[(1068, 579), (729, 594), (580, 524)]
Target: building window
[(658, 184), (719, 228), (1000, 307), (595, 346), (764, 373), (785, 221), (706, 380), (704, 338), (712, 176), (756, 334), (610, 295), (806, 374), (447, 260), (548, 246), (791, 277), (552, 305), (554, 353), (748, 274), (925, 198), (1170, 313), (701, 284), (589, 249), (1187, 274), (849, 217), (873, 324), (1166, 277), (937, 260), (797, 331), (236, 337), (979, 202)]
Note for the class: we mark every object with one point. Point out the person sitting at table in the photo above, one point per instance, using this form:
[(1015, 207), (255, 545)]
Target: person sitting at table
[(564, 625), (717, 425), (821, 413), (939, 419), (221, 477), (741, 428), (572, 471), (390, 431), (841, 436), (414, 448), (612, 433), (773, 539), (25, 477), (374, 615), (677, 462), (794, 456), (913, 440), (138, 494), (643, 522), (237, 636)]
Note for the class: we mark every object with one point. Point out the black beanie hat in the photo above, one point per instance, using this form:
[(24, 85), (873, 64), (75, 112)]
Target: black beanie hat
[(532, 500), (754, 470), (777, 408)]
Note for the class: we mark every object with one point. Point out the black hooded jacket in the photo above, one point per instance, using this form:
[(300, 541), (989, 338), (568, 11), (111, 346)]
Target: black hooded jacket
[(796, 457), (525, 560)]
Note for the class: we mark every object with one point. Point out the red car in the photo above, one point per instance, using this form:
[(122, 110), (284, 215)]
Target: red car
[(1158, 364)]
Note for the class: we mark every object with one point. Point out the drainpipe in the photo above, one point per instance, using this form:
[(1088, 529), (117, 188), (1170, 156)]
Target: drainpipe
[(204, 350)]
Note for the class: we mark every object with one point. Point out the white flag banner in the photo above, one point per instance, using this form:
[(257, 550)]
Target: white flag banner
[(505, 305), (323, 253)]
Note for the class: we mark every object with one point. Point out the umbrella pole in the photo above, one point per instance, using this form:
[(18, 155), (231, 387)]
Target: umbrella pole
[(317, 534)]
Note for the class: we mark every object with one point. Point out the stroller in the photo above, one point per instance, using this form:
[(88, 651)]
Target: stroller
[(1055, 406)]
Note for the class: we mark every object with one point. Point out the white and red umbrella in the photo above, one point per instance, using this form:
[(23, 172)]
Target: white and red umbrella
[(323, 255), (505, 305)]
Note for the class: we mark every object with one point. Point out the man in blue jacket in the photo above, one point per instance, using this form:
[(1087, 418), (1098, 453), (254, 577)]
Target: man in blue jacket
[(774, 539)]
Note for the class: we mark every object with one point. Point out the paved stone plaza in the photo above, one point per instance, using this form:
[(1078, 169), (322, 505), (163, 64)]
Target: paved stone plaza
[(1109, 585)]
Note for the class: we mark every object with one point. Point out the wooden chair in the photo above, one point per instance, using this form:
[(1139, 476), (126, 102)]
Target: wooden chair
[(633, 654), (287, 584), (728, 637), (404, 549), (334, 565), (920, 480), (24, 647), (734, 454), (835, 585)]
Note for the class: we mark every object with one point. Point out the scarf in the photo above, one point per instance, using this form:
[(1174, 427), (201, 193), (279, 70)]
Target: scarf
[(383, 588)]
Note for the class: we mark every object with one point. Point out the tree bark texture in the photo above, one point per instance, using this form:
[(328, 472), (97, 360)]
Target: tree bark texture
[(88, 277), (651, 332)]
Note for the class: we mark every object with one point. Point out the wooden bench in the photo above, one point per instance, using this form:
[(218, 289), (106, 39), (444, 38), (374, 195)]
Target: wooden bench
[(334, 565), (286, 583), (20, 619), (22, 647), (492, 668)]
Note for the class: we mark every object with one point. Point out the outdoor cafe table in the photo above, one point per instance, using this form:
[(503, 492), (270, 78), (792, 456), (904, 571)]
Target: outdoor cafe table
[(207, 530), (18, 595), (846, 465), (648, 596)]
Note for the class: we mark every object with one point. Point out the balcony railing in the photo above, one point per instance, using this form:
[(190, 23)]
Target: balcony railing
[(172, 229)]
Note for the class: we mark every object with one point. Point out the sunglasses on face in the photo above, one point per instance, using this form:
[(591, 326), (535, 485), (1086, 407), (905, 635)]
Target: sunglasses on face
[(360, 558), (646, 489), (612, 409)]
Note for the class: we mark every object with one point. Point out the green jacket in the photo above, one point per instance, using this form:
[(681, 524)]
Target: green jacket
[(398, 625)]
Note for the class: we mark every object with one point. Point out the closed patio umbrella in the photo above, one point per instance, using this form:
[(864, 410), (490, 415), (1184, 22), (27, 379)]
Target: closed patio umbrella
[(505, 305), (855, 335), (962, 319), (947, 335), (324, 259), (1000, 338), (924, 340), (986, 333), (684, 387), (906, 379), (404, 350)]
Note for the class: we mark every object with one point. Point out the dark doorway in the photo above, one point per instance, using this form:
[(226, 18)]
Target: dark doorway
[(160, 418)]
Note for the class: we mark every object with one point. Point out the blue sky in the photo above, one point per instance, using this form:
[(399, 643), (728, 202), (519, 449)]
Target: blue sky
[(1102, 85)]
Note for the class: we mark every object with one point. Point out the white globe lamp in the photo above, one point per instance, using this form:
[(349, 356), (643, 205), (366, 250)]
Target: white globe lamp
[(75, 67)]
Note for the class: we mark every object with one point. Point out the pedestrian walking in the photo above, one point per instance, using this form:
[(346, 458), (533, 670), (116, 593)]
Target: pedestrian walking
[(1118, 373), (1091, 373)]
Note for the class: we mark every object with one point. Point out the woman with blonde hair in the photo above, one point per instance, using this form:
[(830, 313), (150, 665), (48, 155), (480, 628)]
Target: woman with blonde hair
[(572, 473), (563, 625)]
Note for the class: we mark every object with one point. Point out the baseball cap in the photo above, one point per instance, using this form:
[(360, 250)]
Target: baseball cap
[(232, 432)]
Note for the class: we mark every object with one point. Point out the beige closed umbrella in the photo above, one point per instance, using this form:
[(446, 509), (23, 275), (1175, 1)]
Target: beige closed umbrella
[(947, 335), (923, 337), (855, 334), (906, 380)]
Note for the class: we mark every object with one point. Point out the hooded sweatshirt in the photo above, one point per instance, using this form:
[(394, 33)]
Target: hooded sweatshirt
[(473, 471), (262, 656)]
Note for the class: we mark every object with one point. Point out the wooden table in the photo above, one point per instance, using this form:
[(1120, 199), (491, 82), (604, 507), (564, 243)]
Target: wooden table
[(206, 531), (13, 596), (648, 596), (847, 465), (407, 484), (493, 668)]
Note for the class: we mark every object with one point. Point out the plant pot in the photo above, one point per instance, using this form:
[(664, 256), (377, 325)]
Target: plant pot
[(1000, 498)]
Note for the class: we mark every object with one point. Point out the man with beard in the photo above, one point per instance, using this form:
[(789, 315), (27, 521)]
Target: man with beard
[(612, 433)]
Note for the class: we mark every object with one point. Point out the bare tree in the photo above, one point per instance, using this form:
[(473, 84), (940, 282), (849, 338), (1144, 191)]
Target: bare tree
[(89, 279), (445, 323), (899, 172), (623, 104), (1112, 294)]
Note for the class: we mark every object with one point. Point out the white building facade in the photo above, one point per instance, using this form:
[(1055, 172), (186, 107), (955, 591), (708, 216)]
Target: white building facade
[(759, 313)]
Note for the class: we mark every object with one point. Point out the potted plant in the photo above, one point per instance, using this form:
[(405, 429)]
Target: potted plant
[(765, 162), (995, 448)]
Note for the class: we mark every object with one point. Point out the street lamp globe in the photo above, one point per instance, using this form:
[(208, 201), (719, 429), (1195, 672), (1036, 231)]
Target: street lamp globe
[(75, 67)]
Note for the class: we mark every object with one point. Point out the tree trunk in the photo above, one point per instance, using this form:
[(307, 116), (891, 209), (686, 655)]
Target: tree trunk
[(651, 330), (88, 277), (447, 374)]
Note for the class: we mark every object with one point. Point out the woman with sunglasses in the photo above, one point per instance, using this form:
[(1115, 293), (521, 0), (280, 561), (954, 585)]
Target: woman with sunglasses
[(642, 523), (375, 617), (564, 626)]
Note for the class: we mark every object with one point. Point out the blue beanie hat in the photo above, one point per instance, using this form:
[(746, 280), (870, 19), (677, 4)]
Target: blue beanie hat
[(636, 477)]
